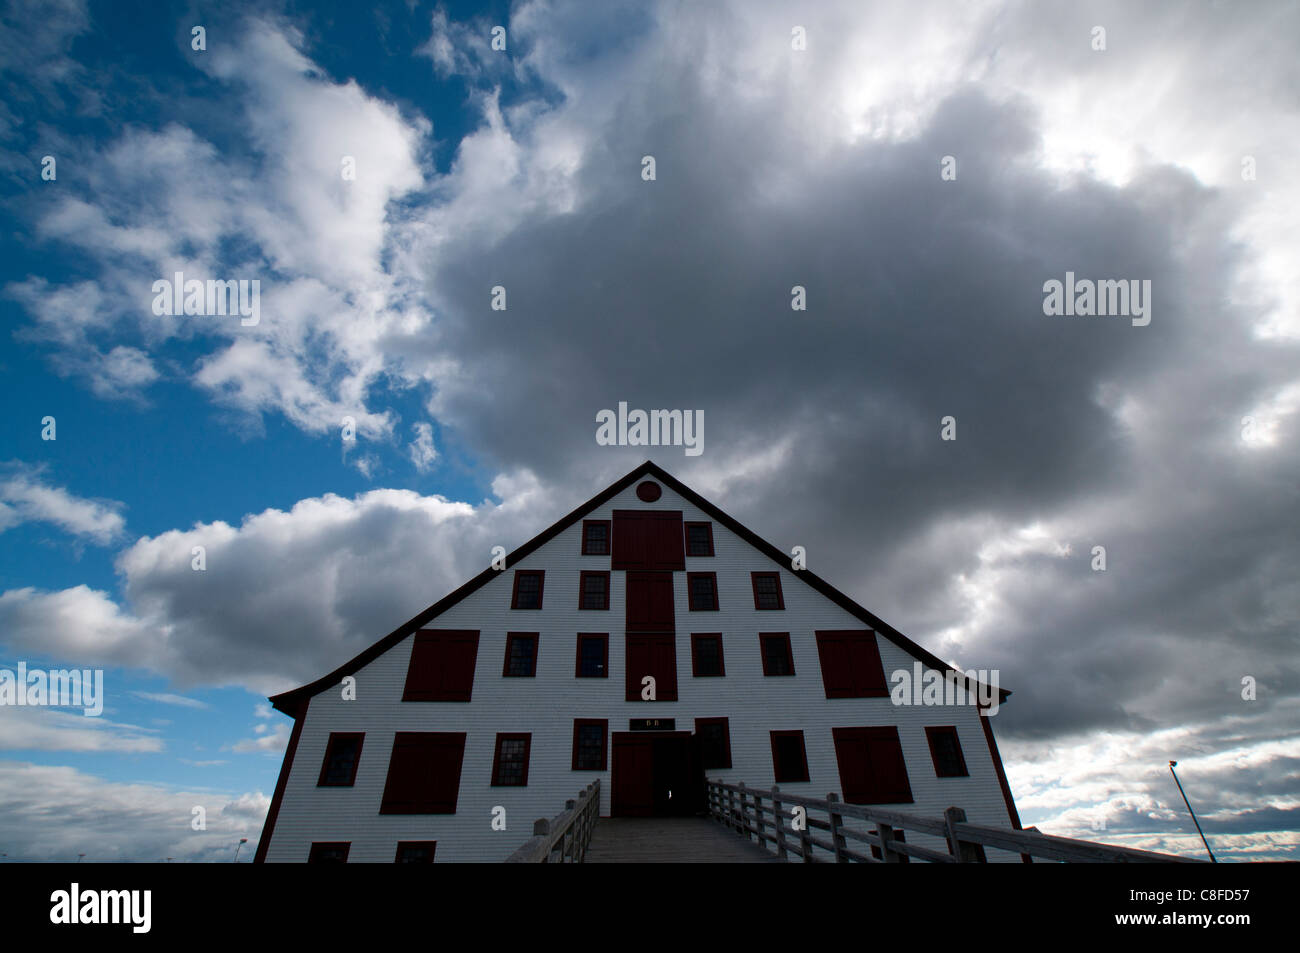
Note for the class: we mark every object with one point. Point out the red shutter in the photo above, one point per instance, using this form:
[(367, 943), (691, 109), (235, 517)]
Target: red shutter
[(442, 666), (837, 673), (424, 773), (872, 769), (851, 666), (649, 598), (648, 540), (654, 655)]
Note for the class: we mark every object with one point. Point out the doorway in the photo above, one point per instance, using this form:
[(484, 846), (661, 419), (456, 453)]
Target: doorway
[(656, 774)]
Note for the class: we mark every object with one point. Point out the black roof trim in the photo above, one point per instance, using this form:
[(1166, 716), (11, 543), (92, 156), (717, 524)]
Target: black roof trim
[(290, 702)]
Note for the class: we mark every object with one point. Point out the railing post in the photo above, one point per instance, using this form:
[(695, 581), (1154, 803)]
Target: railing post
[(542, 826), (779, 819), (836, 837), (744, 810), (805, 840), (569, 838), (886, 835), (962, 852)]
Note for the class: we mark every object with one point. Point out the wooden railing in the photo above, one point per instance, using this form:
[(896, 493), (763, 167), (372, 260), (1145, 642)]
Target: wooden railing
[(743, 810), (565, 835)]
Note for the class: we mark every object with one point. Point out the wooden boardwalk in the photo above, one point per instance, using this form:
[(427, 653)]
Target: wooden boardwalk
[(671, 840)]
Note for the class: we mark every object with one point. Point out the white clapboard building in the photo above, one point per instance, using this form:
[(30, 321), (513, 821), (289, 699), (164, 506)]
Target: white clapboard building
[(646, 639)]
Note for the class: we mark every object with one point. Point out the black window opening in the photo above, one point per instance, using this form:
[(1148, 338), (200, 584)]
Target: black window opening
[(699, 539), (715, 742), (528, 590), (416, 852), (521, 655), (593, 651), (342, 753), (707, 655), (945, 751), (511, 762), (589, 745), (595, 538), (703, 591), (777, 659), (595, 590)]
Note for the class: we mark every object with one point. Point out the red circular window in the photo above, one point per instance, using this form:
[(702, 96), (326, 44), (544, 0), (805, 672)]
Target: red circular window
[(648, 491)]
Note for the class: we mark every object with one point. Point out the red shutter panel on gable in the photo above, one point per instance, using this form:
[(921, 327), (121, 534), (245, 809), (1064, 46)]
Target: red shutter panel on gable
[(889, 766), (851, 666), (648, 539), (664, 659), (872, 768), (837, 671), (424, 773), (868, 671), (442, 666)]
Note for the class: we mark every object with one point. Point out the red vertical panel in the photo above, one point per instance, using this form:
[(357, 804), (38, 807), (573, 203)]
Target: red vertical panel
[(638, 664), (868, 670), (837, 675), (851, 756), (649, 600), (648, 540), (664, 659)]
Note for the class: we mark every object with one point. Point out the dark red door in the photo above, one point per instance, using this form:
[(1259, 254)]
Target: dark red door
[(651, 635), (632, 784)]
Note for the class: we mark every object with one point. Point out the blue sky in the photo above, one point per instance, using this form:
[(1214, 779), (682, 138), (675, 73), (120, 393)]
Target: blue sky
[(777, 166)]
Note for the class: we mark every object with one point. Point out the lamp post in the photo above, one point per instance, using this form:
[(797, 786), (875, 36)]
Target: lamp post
[(1172, 764), (242, 842)]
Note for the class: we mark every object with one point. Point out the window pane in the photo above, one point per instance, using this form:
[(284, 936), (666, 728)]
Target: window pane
[(697, 540), (707, 656), (593, 592), (702, 593), (510, 761), (593, 658), (522, 651), (597, 542), (765, 588), (343, 755), (778, 660), (528, 592), (591, 747)]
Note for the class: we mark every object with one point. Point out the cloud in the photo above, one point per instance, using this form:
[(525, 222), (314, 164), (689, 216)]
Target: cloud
[(421, 449), (164, 698), (114, 822), (27, 499), (285, 596), (43, 729), (272, 741)]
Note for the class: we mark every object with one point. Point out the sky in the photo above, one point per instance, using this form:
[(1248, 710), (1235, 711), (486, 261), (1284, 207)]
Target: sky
[(350, 451)]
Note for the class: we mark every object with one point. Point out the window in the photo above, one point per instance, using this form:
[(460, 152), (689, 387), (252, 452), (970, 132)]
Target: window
[(706, 655), (424, 773), (699, 539), (789, 759), (442, 667), (593, 655), (872, 769), (510, 764), (703, 588), (594, 587), (767, 590), (415, 851), (777, 657), (329, 852), (851, 666), (528, 589), (342, 754), (589, 744), (595, 537), (945, 752), (715, 742), (521, 655)]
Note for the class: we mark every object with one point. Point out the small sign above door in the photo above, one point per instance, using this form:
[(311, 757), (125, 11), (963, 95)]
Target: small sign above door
[(652, 724)]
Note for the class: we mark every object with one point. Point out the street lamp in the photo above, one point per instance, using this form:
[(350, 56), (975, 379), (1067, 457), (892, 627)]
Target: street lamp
[(242, 842), (1191, 812)]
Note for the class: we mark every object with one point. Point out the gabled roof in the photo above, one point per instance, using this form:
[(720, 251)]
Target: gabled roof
[(290, 702)]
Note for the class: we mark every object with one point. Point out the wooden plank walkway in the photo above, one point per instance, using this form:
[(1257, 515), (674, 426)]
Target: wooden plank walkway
[(671, 840)]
